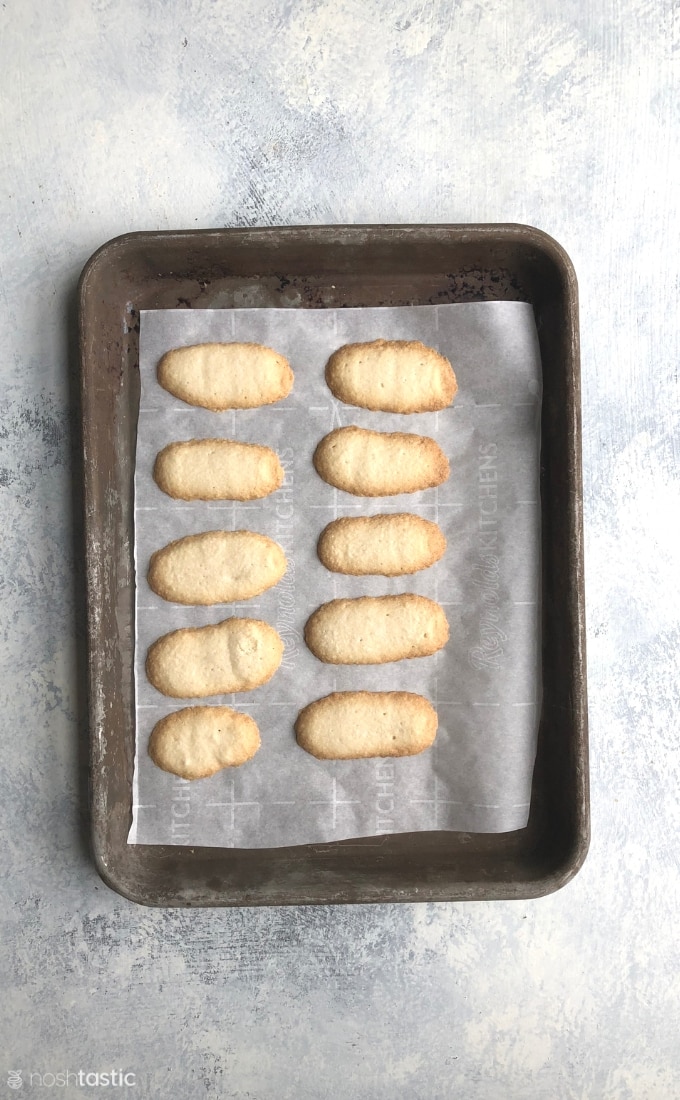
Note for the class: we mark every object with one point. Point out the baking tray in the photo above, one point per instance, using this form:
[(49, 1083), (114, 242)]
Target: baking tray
[(315, 268)]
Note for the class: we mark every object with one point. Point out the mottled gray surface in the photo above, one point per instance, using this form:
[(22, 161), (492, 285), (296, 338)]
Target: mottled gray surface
[(128, 115)]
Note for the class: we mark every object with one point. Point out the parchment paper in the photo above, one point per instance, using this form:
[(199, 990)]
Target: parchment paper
[(485, 684)]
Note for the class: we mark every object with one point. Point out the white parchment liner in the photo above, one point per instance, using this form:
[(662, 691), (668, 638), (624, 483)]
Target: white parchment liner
[(485, 684)]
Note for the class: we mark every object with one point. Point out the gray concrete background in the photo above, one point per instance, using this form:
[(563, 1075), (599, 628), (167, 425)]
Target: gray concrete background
[(122, 115)]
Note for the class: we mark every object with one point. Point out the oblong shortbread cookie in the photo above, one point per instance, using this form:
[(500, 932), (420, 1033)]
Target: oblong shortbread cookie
[(401, 376), (351, 725), (216, 567), (226, 376), (375, 464), (217, 469), (234, 655), (197, 742), (372, 630), (389, 546)]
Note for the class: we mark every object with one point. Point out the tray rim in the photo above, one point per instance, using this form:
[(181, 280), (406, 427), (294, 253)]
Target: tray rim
[(111, 252)]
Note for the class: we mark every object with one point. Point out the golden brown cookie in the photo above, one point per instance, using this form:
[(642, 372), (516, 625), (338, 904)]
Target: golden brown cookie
[(389, 546), (373, 630), (351, 725), (216, 567), (217, 469), (226, 376), (375, 464), (197, 742), (234, 655), (401, 376)]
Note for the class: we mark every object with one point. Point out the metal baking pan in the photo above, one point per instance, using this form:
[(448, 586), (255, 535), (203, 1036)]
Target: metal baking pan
[(316, 268)]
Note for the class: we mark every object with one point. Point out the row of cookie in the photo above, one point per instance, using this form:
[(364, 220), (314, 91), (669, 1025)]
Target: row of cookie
[(240, 654), (350, 725), (197, 742), (382, 376), (402, 376), (215, 566), (358, 460)]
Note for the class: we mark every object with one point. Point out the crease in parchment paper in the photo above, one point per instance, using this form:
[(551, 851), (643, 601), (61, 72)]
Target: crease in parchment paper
[(485, 684)]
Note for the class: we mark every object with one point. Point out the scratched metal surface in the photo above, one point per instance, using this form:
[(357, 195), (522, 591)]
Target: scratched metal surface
[(151, 116)]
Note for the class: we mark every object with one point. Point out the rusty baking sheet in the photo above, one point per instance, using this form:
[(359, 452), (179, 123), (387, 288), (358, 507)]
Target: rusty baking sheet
[(316, 268)]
